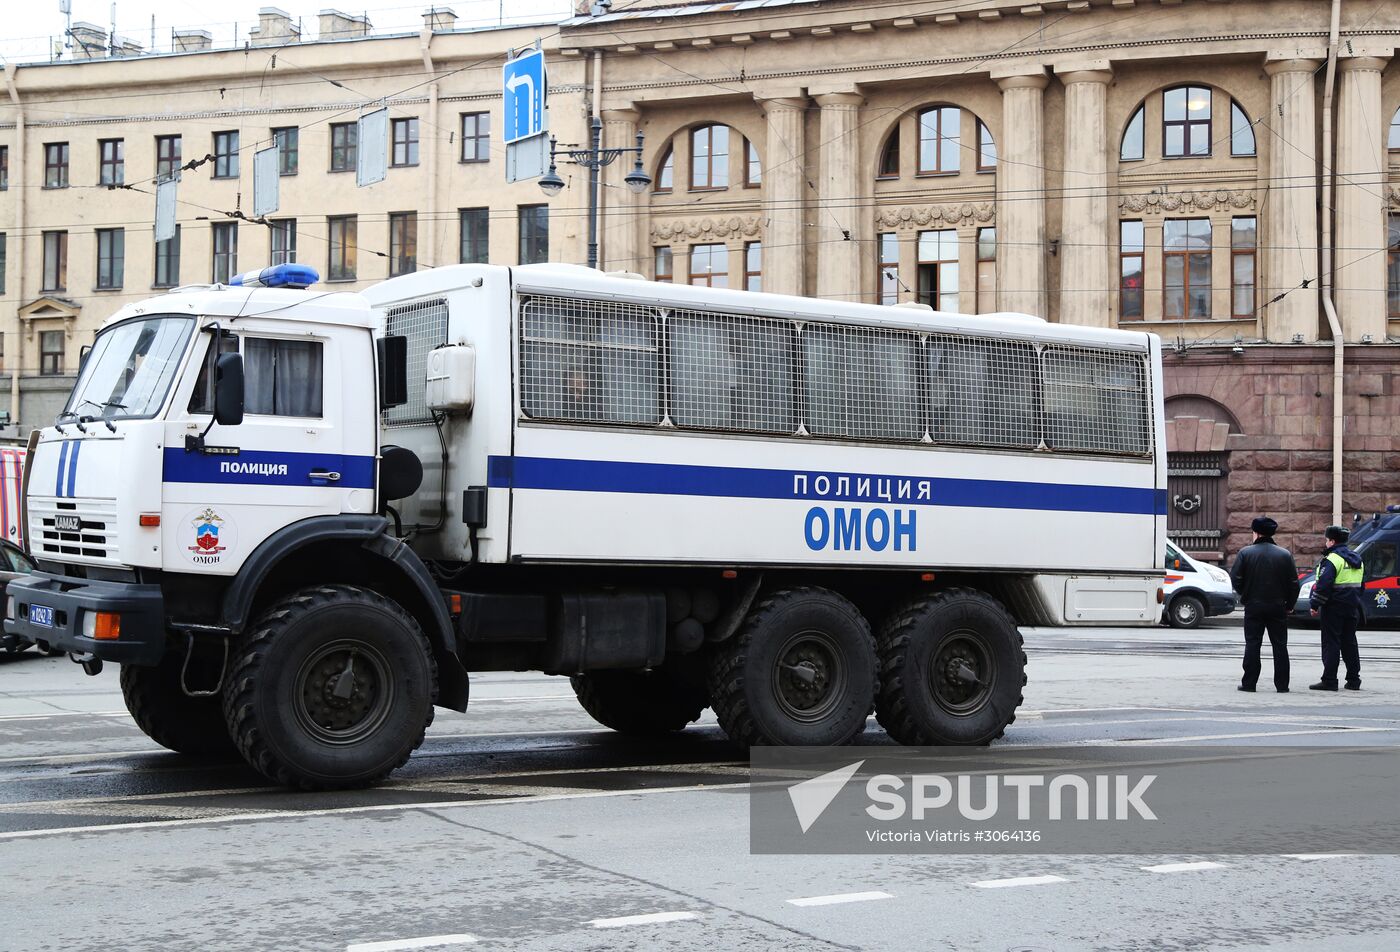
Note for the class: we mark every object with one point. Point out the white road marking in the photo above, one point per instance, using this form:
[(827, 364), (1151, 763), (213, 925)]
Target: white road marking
[(426, 942), (1200, 737), (1019, 881), (1182, 867), (1317, 855), (839, 898), (643, 920), (36, 717)]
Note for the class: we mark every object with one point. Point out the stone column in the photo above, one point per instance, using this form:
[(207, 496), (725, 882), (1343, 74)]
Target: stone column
[(1289, 248), (1087, 283), (1359, 235), (1021, 194), (839, 261), (623, 213), (784, 237)]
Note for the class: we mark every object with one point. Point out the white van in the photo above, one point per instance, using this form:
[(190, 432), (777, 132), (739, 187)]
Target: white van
[(1194, 590)]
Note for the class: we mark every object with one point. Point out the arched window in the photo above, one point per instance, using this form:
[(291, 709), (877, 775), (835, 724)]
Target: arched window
[(940, 140), (666, 172), (709, 157), (986, 148), (889, 158), (1393, 143), (1241, 131), (1131, 149), (1186, 122)]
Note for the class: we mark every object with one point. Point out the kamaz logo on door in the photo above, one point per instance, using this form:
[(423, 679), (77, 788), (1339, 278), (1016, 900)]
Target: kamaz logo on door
[(67, 523)]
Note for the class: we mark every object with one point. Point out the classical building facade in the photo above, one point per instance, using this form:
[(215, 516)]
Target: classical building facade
[(1156, 165)]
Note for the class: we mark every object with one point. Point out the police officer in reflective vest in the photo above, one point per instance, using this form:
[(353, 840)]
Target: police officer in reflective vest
[(1336, 598)]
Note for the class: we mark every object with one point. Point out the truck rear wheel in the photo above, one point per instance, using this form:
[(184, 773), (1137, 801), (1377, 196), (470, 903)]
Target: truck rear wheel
[(331, 688), (641, 703), (169, 716), (800, 671), (951, 670)]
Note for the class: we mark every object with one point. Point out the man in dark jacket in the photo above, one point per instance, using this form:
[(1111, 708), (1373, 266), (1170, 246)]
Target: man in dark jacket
[(1267, 581), (1336, 597)]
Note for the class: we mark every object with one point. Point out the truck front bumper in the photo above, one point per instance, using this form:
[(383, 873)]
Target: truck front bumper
[(1220, 603), (140, 635)]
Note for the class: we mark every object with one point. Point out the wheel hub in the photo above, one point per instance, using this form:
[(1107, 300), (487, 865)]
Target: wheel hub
[(962, 672), (344, 692), (809, 677)]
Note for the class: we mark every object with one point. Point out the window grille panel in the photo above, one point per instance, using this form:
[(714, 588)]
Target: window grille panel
[(982, 392), (732, 373), (424, 323), (1096, 401), (862, 383), (590, 361)]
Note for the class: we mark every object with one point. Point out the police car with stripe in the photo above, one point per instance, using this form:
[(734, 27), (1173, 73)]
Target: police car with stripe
[(1377, 541)]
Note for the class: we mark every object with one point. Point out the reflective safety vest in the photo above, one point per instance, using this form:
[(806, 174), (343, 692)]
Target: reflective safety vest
[(1347, 577)]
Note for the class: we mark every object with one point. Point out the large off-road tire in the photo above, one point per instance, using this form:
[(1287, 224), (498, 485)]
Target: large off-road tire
[(951, 670), (169, 716), (800, 671), (1186, 611), (331, 688), (640, 703)]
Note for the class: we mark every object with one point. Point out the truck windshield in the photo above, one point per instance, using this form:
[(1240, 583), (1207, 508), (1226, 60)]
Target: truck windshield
[(130, 369)]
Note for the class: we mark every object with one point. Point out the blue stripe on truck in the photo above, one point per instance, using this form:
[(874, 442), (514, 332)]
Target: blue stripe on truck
[(609, 476), (265, 468)]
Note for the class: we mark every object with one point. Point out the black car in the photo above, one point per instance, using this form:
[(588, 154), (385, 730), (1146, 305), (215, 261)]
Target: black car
[(13, 564)]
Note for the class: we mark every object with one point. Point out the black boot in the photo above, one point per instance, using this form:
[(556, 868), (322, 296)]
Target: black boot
[(1353, 685), (1323, 686)]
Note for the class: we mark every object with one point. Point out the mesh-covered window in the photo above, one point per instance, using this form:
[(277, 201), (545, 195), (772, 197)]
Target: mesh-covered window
[(590, 361), (862, 383), (424, 323), (982, 392), (732, 373), (1096, 401)]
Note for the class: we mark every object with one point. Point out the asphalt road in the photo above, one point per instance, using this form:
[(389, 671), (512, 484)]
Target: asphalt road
[(521, 825)]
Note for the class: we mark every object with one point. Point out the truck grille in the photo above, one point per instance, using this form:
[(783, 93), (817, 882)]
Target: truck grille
[(53, 536)]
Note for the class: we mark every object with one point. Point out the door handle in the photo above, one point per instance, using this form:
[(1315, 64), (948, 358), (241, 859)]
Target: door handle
[(324, 475)]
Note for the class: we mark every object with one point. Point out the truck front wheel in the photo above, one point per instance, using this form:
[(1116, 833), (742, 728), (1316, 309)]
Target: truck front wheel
[(799, 672), (641, 703), (331, 688), (170, 717)]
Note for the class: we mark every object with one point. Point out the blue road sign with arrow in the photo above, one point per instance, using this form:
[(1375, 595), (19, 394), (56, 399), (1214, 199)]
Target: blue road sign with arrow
[(524, 92)]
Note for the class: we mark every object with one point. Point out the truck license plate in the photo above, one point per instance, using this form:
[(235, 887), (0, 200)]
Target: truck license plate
[(41, 615)]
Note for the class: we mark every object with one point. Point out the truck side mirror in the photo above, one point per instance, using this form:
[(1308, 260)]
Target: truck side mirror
[(228, 390), (392, 354)]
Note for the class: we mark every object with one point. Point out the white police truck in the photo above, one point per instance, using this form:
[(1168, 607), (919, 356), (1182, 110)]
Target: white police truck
[(297, 519)]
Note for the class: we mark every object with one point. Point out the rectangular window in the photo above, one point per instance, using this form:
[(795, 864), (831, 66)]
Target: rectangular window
[(168, 262), (287, 139), (889, 268), (345, 140), (709, 265), (55, 165), (709, 157), (476, 137), (1130, 274), (424, 325), (664, 264), (344, 246), (986, 270), (2, 270), (1243, 245), (1392, 297), (55, 261), (225, 251), (111, 258), (591, 361), (532, 222), (1186, 268), (112, 161), (51, 353), (405, 139), (938, 270), (982, 392), (283, 235), (4, 167), (1095, 401), (861, 383), (753, 266), (940, 140), (226, 155), (403, 243), (753, 170), (732, 373), (986, 149), (1186, 122), (476, 235), (282, 377), (167, 156)]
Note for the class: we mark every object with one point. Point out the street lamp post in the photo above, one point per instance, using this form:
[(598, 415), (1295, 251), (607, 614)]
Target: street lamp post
[(594, 158)]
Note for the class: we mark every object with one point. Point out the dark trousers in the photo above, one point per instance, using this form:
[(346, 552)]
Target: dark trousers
[(1339, 639), (1258, 619)]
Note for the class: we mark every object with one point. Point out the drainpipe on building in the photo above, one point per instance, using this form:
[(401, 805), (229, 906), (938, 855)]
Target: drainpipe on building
[(1328, 189), (425, 40), (17, 172), (596, 112)]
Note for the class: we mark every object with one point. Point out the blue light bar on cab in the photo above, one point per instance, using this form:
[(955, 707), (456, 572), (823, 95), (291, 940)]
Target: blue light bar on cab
[(277, 276)]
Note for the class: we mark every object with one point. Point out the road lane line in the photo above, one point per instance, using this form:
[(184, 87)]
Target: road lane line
[(1181, 867), (36, 717), (1019, 881), (648, 919), (1338, 731), (1318, 855), (426, 942), (839, 898)]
